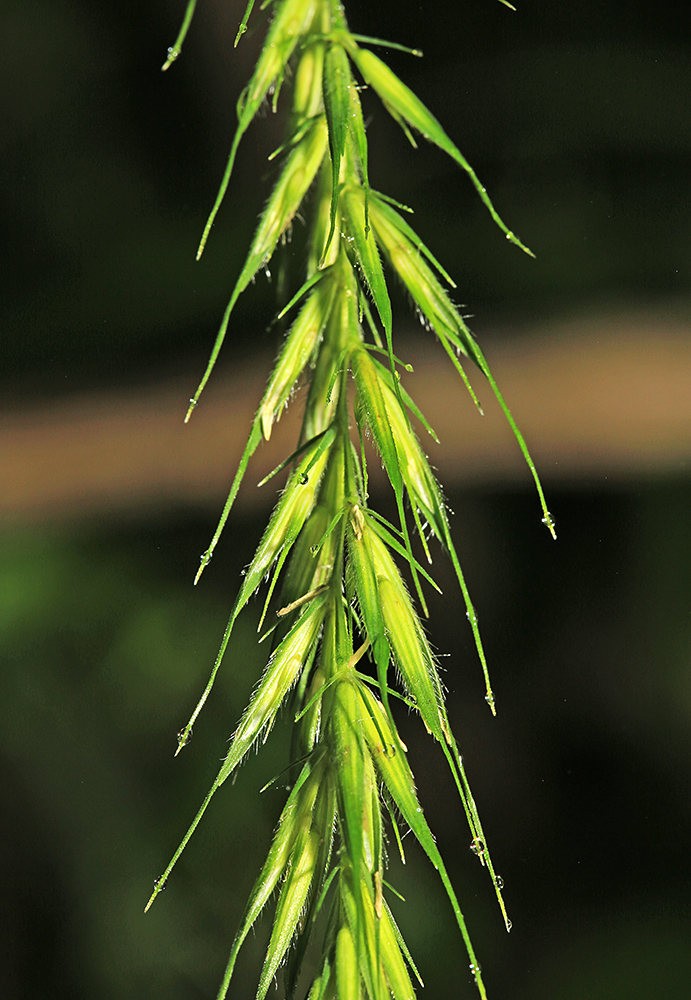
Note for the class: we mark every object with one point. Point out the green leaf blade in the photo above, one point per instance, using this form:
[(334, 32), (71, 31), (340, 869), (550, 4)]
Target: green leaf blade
[(290, 23), (365, 254), (399, 781), (407, 108), (289, 909), (298, 173), (337, 82)]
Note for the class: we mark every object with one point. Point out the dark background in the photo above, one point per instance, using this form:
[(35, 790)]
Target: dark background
[(576, 117)]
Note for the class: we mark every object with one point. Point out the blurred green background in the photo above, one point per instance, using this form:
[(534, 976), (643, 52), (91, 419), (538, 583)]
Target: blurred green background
[(577, 119)]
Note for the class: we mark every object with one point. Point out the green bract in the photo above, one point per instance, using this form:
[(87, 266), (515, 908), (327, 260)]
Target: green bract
[(341, 619)]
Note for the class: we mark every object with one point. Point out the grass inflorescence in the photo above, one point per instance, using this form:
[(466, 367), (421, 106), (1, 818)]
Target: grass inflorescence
[(346, 636)]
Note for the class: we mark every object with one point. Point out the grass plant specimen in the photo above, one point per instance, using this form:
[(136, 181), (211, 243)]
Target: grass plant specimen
[(344, 634)]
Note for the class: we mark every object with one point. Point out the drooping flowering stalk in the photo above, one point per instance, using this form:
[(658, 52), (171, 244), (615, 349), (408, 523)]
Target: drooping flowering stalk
[(344, 621)]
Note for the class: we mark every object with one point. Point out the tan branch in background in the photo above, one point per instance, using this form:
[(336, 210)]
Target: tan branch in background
[(604, 397)]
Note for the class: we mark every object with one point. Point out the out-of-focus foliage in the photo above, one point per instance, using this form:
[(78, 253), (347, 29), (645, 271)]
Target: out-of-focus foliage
[(582, 779)]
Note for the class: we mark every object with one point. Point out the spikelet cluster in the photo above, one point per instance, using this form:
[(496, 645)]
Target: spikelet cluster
[(346, 636)]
